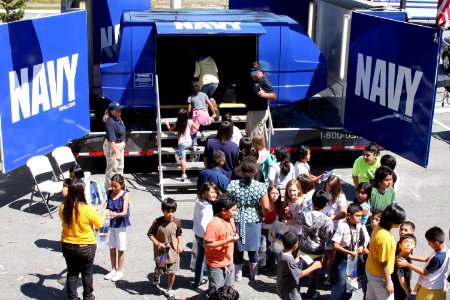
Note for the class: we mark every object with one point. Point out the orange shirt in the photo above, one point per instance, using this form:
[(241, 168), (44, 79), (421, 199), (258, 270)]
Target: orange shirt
[(218, 230)]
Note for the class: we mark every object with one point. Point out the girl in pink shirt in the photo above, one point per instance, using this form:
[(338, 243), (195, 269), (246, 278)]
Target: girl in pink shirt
[(183, 128)]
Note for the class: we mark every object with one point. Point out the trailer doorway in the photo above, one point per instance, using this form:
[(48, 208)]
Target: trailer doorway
[(176, 56)]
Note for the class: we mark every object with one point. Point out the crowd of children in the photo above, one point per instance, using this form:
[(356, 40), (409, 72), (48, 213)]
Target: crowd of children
[(321, 237)]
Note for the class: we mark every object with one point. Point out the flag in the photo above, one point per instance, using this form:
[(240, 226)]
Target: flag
[(443, 12)]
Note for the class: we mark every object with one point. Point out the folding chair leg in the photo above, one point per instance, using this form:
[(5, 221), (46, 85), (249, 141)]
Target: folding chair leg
[(46, 203), (48, 208), (31, 200)]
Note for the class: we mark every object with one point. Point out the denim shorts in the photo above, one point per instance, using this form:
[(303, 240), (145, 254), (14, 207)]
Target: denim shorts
[(182, 149)]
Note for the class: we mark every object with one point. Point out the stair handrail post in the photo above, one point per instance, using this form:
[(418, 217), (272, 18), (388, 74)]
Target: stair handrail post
[(270, 129), (159, 132)]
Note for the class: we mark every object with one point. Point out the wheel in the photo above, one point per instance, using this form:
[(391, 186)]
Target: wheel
[(446, 61)]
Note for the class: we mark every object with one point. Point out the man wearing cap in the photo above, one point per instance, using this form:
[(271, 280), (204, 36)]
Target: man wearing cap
[(114, 144), (257, 105)]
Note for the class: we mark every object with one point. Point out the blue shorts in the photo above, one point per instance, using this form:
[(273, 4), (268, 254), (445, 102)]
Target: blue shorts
[(182, 149)]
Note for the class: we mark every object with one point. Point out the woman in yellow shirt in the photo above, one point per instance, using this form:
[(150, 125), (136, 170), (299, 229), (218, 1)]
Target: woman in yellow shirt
[(78, 239)]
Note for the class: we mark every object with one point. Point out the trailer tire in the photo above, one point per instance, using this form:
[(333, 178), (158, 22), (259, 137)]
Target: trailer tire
[(446, 61)]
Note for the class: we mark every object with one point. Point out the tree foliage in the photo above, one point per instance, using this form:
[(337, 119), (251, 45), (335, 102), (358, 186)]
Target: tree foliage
[(13, 10)]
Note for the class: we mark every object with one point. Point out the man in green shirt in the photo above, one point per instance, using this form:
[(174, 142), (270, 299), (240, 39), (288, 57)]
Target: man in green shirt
[(365, 166)]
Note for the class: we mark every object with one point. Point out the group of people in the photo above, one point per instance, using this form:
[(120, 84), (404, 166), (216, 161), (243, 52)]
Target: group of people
[(323, 235), (244, 194)]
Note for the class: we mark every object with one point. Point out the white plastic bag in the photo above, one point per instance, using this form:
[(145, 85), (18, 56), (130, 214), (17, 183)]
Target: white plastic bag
[(103, 233), (353, 279), (276, 235)]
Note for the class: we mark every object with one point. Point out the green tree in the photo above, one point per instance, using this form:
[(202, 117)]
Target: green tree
[(13, 10)]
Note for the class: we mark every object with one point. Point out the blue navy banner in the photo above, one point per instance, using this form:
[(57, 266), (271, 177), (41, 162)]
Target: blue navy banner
[(44, 86), (392, 84)]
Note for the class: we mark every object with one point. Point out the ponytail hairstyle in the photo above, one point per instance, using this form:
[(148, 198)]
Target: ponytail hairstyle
[(248, 169), (106, 116), (182, 121), (302, 152), (283, 156), (75, 195), (119, 179), (245, 144)]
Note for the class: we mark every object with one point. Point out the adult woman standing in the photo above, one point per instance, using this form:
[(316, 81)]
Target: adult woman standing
[(252, 199), (78, 239), (114, 144)]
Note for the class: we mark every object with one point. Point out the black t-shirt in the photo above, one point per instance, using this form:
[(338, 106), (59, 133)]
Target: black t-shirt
[(399, 292), (256, 102)]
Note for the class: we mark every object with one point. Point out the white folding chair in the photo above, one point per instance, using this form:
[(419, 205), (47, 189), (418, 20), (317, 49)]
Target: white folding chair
[(63, 156), (39, 165)]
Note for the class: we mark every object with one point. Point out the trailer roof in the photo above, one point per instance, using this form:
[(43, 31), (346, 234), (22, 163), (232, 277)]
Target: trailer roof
[(205, 16)]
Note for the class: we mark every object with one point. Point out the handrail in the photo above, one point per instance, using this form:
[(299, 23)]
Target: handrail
[(159, 132), (270, 129)]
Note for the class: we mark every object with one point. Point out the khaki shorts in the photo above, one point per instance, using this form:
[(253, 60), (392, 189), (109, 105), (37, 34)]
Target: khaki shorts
[(429, 294), (256, 120), (169, 268)]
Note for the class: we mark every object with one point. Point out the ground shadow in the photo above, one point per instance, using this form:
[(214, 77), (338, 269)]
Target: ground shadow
[(442, 136), (15, 185), (37, 207), (263, 287), (49, 244), (187, 224), (37, 290)]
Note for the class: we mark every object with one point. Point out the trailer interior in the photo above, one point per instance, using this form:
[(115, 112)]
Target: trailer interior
[(176, 56)]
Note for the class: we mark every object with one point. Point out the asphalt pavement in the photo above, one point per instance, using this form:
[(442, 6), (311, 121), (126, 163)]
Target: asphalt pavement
[(32, 265)]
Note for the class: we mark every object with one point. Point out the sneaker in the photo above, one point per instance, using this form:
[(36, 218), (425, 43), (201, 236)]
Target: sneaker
[(110, 274), (313, 297), (171, 294), (204, 281), (117, 276), (203, 137), (183, 177)]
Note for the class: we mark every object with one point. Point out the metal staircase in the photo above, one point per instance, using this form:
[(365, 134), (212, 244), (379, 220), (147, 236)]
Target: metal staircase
[(168, 165)]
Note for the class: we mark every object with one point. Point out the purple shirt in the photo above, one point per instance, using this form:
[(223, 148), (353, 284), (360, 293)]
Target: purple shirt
[(230, 149)]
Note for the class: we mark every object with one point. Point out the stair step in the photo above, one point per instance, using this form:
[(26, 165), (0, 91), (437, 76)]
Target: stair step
[(170, 135), (190, 166), (221, 105), (190, 182), (174, 150), (235, 119)]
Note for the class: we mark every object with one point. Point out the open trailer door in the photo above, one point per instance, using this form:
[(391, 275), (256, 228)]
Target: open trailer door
[(391, 84)]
